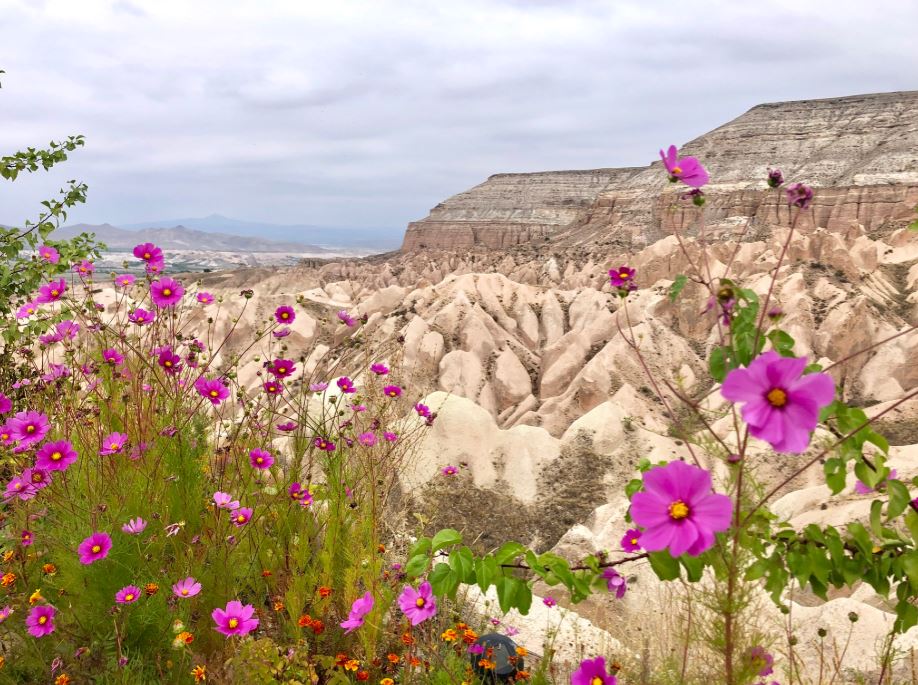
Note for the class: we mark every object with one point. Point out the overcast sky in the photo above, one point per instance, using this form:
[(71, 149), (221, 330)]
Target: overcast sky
[(369, 113)]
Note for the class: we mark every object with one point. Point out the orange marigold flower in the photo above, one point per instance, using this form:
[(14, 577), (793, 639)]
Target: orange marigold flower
[(461, 626), (449, 635), (414, 661), (387, 681), (523, 675), (324, 591), (486, 664), (49, 569), (265, 573), (199, 673), (304, 620), (393, 658), (363, 675), (381, 549), (522, 651), (407, 639), (8, 579), (341, 659), (8, 555), (185, 637), (278, 606), (469, 636), (317, 626), (62, 679), (151, 589), (351, 665)]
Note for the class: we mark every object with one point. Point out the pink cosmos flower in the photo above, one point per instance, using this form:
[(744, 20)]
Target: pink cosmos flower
[(38, 479), (235, 619), (148, 252), (281, 332), (300, 494), (67, 330), (781, 405), (127, 595), (346, 385), (623, 277), (323, 444), (188, 587), (141, 316), (169, 361), (549, 601), (205, 298), (359, 609), (389, 436), (211, 389), (26, 310), (166, 292), (592, 672), (112, 356), (615, 582), (261, 459), (274, 387), (379, 369), (51, 292), (224, 500), (28, 427), (678, 510), (284, 314), (449, 470), (422, 409), (760, 660), (19, 487), (241, 516), (134, 526), (775, 178), (358, 407), (346, 319), (5, 613), (287, 426), (49, 254), (281, 368), (49, 338), (686, 169), (6, 404), (125, 280), (84, 268), (318, 387), (40, 620), (631, 541), (799, 195), (55, 456), (392, 391), (418, 605), (95, 547), (367, 439), (26, 538), (113, 443)]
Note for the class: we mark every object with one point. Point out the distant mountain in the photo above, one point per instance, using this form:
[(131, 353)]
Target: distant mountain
[(184, 238), (387, 238)]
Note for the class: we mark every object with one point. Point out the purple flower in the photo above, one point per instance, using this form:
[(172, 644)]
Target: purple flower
[(51, 292), (449, 470), (149, 253), (615, 582), (781, 406), (141, 316), (95, 547), (166, 292), (346, 319), (38, 479), (274, 387), (125, 280), (389, 436), (622, 278), (19, 487), (28, 427), (300, 494), (318, 387), (5, 613), (40, 620), (284, 314), (127, 595), (799, 195), (475, 649), (26, 538), (224, 500), (287, 426), (5, 404), (49, 254), (241, 516), (549, 601), (113, 443), (346, 385), (323, 444), (205, 298), (367, 439), (775, 178), (26, 310), (281, 368), (67, 330), (678, 510), (418, 605), (422, 409), (631, 542), (592, 672), (134, 526), (84, 268), (260, 459), (686, 169), (760, 660), (379, 369), (392, 391), (359, 609), (188, 587), (211, 389), (112, 356), (169, 361), (55, 456), (235, 619)]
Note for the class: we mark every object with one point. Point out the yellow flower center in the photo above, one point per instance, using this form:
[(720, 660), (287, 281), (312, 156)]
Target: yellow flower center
[(419, 602), (113, 446), (184, 591), (241, 518), (129, 597), (634, 541), (146, 255), (96, 549), (42, 620), (282, 369), (55, 292), (285, 315), (167, 292), (233, 623), (678, 510), (30, 429), (596, 681), (677, 170), (37, 478), (56, 456), (214, 393), (776, 397)]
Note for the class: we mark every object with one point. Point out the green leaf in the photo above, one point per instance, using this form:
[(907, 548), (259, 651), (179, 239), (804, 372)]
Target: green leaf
[(442, 579), (717, 364), (445, 538), (416, 565), (507, 588), (782, 342), (422, 546), (899, 498), (523, 598), (463, 563), (664, 565), (677, 286), (486, 572), (508, 552)]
